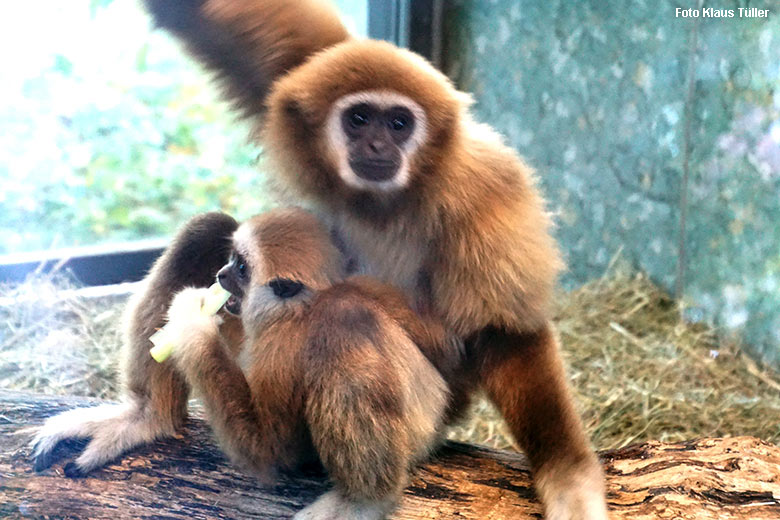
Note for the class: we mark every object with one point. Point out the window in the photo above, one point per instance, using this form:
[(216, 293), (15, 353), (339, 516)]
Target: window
[(110, 134)]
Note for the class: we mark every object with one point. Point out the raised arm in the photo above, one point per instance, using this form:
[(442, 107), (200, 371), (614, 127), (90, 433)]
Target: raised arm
[(250, 43)]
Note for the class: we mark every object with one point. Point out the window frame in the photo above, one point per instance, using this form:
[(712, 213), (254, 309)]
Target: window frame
[(414, 24)]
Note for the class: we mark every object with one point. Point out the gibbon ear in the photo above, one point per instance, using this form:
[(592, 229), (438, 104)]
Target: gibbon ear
[(298, 118), (293, 110)]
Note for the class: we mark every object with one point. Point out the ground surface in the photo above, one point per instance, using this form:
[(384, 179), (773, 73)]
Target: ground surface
[(638, 372)]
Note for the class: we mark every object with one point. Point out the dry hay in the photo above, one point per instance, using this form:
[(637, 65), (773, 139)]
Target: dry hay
[(55, 341), (638, 371)]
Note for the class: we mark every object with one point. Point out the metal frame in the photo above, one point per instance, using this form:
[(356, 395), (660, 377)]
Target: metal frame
[(415, 24), (105, 264)]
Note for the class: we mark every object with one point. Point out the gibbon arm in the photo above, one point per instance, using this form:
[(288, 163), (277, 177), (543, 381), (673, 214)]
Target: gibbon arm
[(523, 375), (208, 364), (250, 43)]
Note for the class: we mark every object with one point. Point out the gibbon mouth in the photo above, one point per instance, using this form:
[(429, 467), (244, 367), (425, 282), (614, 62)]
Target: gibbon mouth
[(233, 305), (376, 171)]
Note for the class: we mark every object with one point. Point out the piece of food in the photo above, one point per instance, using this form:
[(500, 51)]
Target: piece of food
[(215, 300), (164, 344)]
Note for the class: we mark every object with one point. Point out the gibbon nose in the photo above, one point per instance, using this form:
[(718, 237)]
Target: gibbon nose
[(378, 147), (222, 275), (227, 281), (378, 143)]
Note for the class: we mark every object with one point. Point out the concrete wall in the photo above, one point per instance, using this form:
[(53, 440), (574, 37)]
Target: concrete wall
[(596, 95)]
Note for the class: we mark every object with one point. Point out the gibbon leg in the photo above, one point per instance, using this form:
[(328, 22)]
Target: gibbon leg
[(374, 408), (360, 434), (155, 396), (524, 376), (200, 249)]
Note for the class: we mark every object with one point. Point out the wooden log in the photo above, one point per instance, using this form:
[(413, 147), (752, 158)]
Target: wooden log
[(188, 478)]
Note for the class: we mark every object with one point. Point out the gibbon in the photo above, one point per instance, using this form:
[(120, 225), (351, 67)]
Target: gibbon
[(418, 195), (328, 370), (310, 367)]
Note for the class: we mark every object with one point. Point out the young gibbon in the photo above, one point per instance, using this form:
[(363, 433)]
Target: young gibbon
[(309, 367), (327, 369), (420, 196)]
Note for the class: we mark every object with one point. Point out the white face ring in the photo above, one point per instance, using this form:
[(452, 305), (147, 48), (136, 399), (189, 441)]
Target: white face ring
[(337, 139)]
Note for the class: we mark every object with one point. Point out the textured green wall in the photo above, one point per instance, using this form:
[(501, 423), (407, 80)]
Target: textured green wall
[(596, 95)]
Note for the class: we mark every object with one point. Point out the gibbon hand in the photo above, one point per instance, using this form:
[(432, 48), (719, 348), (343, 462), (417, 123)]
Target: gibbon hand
[(164, 342)]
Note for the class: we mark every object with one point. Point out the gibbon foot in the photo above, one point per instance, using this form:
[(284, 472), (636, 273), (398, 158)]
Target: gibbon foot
[(333, 506), (108, 431)]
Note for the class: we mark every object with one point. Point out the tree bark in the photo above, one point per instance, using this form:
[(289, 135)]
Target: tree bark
[(188, 478)]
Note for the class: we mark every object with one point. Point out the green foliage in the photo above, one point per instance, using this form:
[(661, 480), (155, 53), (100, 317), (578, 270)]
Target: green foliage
[(111, 134)]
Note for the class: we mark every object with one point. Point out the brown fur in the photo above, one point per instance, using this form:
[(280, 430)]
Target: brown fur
[(338, 375), (261, 40), (334, 374), (470, 196), (472, 223), (467, 238), (302, 250), (471, 220), (192, 259)]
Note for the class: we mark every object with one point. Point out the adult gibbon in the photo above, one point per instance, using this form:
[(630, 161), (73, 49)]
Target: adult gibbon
[(420, 196)]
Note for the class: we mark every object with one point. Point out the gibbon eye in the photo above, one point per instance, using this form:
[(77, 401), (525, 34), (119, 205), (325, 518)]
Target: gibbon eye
[(240, 265), (358, 119), (398, 123), (284, 288)]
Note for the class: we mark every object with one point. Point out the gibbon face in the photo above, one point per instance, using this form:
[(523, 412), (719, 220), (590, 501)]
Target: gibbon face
[(235, 278), (259, 275), (375, 134), (348, 121)]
